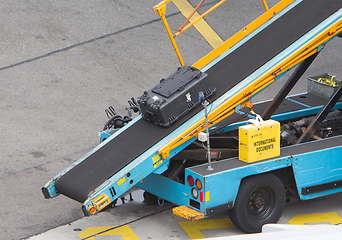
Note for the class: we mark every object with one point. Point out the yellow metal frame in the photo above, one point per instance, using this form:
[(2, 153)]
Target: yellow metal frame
[(228, 107), (161, 9)]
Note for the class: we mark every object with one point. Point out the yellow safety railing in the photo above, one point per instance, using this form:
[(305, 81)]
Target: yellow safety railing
[(161, 9)]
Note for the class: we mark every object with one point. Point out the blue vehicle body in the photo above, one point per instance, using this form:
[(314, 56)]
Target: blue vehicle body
[(308, 170), (318, 163)]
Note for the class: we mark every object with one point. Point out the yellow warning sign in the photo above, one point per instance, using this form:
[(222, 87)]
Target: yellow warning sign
[(259, 142), (157, 161), (156, 158), (121, 181)]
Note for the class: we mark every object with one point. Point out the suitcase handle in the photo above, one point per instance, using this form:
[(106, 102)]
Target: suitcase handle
[(258, 119)]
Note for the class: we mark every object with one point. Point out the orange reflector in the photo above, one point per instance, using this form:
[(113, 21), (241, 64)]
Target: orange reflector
[(91, 209), (198, 184)]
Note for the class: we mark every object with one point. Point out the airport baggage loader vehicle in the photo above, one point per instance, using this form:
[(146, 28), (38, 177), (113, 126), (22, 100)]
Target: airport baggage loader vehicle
[(196, 161)]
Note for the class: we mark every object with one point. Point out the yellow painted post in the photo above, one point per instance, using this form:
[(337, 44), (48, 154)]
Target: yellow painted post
[(265, 5), (172, 40), (160, 8)]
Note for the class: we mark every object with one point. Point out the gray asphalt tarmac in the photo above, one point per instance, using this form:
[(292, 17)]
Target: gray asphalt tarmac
[(63, 63)]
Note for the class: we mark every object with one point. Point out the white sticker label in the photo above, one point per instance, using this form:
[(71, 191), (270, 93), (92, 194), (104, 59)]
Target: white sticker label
[(155, 98), (188, 97)]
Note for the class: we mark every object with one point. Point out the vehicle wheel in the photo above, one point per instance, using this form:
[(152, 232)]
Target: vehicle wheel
[(150, 198), (260, 200), (116, 122)]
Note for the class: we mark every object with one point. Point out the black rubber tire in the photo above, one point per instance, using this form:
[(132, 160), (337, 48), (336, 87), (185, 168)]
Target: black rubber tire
[(111, 122), (260, 200), (150, 198)]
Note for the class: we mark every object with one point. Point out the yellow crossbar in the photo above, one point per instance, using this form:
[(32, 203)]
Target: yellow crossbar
[(201, 26)]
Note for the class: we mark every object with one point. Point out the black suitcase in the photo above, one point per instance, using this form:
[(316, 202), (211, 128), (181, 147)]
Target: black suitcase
[(175, 96)]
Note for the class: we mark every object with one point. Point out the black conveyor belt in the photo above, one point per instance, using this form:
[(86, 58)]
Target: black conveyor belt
[(139, 137)]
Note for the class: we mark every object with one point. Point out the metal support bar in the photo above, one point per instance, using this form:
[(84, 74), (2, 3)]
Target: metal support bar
[(172, 40), (284, 91), (161, 8), (265, 5), (199, 18), (205, 104), (190, 16), (316, 123)]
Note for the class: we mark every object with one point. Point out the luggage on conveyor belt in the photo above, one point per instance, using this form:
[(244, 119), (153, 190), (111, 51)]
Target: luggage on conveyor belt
[(175, 96)]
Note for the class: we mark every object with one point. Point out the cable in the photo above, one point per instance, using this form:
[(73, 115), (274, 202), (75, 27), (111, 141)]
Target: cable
[(204, 146)]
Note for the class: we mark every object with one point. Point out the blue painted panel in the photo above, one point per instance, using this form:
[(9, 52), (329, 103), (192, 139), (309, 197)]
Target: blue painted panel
[(318, 167), (165, 188), (223, 186)]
